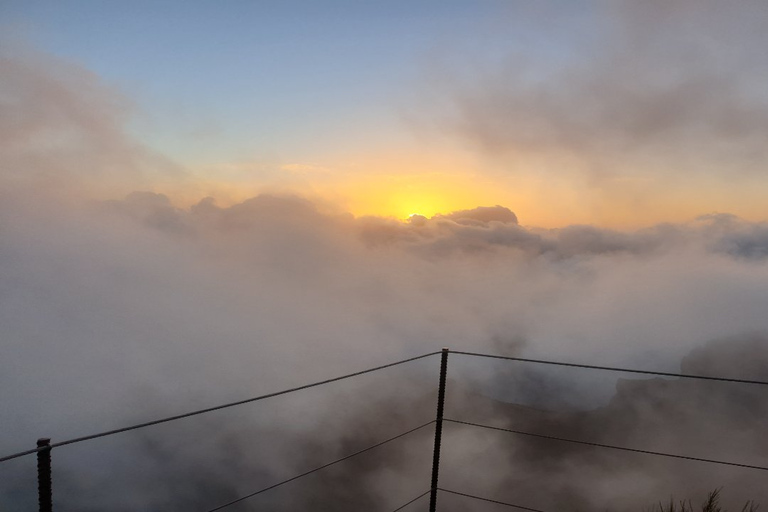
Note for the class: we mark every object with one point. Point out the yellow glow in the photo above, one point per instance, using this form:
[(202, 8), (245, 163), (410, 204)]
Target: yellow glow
[(428, 184), (403, 204), (403, 183), (426, 195), (373, 185)]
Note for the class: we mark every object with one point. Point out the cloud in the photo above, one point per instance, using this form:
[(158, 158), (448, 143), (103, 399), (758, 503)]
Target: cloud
[(483, 215), (733, 236), (116, 311), (64, 130), (662, 88), (677, 416), (128, 310)]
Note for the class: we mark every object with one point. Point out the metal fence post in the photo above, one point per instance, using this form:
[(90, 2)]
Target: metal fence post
[(438, 430), (44, 490)]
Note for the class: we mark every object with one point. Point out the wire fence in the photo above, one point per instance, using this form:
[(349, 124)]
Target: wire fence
[(44, 446), (306, 473), (211, 409)]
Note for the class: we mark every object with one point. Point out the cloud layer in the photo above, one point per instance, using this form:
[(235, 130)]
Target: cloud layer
[(666, 88), (117, 311), (123, 311)]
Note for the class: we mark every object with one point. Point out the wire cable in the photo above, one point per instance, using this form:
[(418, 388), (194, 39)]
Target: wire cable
[(211, 409), (265, 489), (488, 500), (611, 368), (614, 447), (21, 454), (414, 500)]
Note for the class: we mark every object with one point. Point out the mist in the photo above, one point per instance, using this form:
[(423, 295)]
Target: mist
[(123, 311), (118, 305)]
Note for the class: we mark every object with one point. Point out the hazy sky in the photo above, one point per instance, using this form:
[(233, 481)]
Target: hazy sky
[(615, 113), (205, 201)]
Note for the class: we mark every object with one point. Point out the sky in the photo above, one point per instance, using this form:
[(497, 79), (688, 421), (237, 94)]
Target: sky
[(202, 204), (566, 112)]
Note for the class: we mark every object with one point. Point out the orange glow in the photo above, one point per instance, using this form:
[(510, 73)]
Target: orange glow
[(405, 183), (406, 195), (402, 203), (428, 184)]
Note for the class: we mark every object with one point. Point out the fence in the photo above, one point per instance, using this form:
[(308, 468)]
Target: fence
[(44, 446)]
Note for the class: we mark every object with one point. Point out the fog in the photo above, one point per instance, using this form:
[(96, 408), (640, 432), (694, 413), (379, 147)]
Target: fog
[(123, 311), (120, 306)]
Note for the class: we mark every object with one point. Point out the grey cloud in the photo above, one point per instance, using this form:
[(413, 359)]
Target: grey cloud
[(752, 244), (153, 209), (673, 415), (661, 85), (483, 230), (730, 235), (483, 215), (63, 130)]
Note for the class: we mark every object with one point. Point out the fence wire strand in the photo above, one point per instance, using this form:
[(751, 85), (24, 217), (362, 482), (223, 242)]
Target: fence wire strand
[(611, 368), (265, 489), (489, 500), (216, 408), (414, 500), (613, 447)]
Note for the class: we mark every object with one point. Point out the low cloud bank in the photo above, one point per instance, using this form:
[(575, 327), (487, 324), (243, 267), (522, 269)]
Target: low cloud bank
[(122, 311)]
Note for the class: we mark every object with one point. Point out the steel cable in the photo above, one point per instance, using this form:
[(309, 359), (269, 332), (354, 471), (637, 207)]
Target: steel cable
[(414, 500), (488, 500), (614, 447), (211, 409), (611, 368), (265, 489)]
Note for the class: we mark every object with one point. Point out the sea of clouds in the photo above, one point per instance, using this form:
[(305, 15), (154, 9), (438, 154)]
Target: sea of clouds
[(121, 307)]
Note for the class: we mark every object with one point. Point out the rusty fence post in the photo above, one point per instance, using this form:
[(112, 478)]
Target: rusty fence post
[(438, 430)]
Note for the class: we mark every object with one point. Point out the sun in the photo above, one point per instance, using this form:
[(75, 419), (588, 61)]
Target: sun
[(412, 185), (405, 205), (406, 201)]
